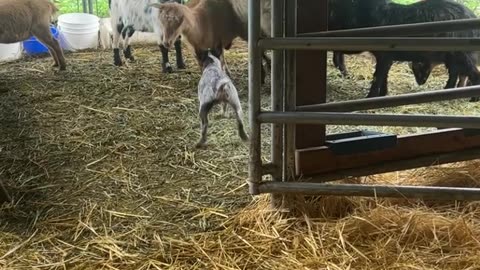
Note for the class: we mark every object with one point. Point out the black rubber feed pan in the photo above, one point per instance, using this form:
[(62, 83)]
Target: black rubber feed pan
[(359, 142)]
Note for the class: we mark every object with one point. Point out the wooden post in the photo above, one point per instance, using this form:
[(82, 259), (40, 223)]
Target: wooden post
[(311, 66)]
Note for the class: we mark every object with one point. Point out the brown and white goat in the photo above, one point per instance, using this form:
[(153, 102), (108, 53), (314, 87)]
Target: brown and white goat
[(209, 24), (20, 19)]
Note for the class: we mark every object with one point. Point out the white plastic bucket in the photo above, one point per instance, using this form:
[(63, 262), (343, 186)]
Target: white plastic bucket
[(79, 31), (79, 41), (10, 52), (78, 21)]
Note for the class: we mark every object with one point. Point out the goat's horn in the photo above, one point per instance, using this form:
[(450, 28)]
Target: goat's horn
[(155, 5)]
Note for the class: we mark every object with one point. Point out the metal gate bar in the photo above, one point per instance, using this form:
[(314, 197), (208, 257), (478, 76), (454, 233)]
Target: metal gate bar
[(412, 29), (436, 193), (290, 118), (342, 118), (371, 44), (277, 90), (254, 82), (394, 101)]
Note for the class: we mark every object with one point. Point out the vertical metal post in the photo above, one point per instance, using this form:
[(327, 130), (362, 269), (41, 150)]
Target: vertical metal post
[(254, 86), (277, 94), (290, 90), (84, 4), (90, 6)]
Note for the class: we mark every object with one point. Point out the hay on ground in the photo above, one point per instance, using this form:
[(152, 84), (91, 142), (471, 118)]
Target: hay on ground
[(101, 166)]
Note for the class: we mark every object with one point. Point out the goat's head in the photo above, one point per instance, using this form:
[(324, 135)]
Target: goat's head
[(421, 71), (171, 16)]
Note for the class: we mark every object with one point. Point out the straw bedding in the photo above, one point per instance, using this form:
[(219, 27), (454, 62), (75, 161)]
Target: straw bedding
[(101, 166)]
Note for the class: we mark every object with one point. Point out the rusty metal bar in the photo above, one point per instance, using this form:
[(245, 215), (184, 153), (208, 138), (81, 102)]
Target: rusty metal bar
[(423, 192), (413, 29), (254, 86), (341, 118), (394, 101), (371, 44)]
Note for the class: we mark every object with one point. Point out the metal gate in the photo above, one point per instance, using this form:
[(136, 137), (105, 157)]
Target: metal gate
[(299, 113)]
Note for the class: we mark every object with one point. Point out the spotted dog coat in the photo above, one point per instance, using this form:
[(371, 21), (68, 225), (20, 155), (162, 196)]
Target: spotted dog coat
[(216, 87)]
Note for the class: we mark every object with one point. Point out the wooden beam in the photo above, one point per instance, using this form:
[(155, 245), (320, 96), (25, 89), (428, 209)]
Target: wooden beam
[(321, 160), (311, 67)]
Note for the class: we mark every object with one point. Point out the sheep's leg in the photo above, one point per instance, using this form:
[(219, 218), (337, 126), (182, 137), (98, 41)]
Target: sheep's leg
[(234, 101), (204, 110), (339, 62), (127, 51), (384, 88), (40, 36), (267, 59), (474, 79), (44, 36), (380, 77), (453, 65), (452, 78), (462, 81), (265, 68), (166, 67), (179, 56), (117, 60)]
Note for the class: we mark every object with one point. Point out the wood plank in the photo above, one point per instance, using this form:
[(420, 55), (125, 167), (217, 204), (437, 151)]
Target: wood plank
[(323, 160), (311, 70)]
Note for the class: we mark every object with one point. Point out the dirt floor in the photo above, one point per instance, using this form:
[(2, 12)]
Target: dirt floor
[(102, 169)]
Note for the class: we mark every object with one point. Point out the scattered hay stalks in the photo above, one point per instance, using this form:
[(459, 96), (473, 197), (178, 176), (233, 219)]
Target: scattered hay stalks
[(382, 238), (345, 233), (102, 177)]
